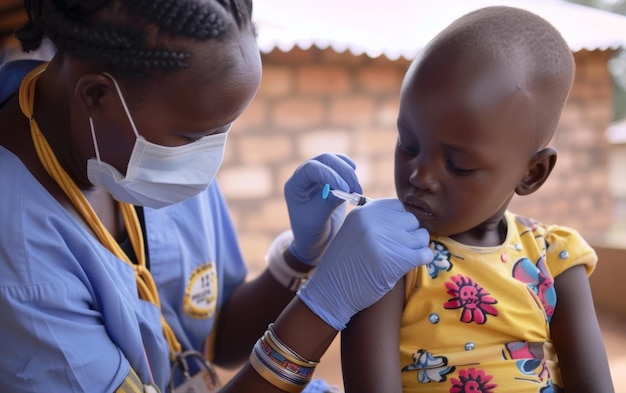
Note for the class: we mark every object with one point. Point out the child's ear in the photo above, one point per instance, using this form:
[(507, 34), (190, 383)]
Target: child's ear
[(540, 167)]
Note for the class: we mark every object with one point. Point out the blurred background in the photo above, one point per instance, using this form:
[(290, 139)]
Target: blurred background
[(331, 79)]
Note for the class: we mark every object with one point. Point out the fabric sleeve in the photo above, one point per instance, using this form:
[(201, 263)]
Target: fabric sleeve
[(52, 342), (56, 286), (567, 248)]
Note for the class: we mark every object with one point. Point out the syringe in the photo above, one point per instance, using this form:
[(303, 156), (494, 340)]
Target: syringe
[(354, 198)]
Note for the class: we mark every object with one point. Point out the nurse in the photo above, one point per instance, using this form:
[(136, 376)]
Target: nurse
[(120, 265)]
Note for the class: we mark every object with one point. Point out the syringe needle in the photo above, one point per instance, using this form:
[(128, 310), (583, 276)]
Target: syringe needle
[(354, 198)]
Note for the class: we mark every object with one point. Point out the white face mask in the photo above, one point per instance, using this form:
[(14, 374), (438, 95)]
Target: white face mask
[(158, 176)]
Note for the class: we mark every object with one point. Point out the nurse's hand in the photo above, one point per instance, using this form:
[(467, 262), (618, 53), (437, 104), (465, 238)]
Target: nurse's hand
[(315, 220), (376, 246)]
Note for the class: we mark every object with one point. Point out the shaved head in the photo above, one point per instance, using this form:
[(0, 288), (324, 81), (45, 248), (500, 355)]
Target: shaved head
[(507, 51)]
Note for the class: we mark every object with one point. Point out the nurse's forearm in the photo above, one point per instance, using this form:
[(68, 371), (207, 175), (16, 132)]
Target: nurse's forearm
[(245, 316), (302, 331)]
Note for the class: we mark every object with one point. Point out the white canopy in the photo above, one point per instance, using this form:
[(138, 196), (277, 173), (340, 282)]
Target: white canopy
[(396, 28)]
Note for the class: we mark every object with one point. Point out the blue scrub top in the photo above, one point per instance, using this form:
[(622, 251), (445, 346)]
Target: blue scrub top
[(71, 317)]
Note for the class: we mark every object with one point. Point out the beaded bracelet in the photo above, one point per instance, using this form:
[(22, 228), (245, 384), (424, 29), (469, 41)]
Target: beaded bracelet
[(282, 361), (284, 375), (280, 365), (273, 340)]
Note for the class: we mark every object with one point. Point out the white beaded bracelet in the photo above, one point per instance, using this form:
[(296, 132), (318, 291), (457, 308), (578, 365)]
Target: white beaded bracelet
[(278, 267)]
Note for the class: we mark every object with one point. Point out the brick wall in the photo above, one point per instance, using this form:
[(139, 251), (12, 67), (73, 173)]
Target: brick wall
[(578, 191), (312, 101)]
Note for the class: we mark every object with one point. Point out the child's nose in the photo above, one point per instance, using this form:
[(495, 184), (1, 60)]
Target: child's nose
[(423, 177)]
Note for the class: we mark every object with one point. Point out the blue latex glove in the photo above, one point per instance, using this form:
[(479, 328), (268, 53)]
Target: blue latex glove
[(376, 246), (315, 220)]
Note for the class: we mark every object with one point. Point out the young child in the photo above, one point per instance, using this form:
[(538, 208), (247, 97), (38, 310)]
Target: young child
[(505, 294)]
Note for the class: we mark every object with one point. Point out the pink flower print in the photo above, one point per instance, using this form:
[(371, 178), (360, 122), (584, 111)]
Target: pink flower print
[(472, 381), (531, 358), (525, 350), (471, 297)]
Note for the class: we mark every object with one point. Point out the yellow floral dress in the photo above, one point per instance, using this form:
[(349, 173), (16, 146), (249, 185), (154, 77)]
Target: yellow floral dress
[(477, 319)]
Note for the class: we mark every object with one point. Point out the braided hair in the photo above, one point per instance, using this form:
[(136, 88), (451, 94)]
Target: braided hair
[(118, 38)]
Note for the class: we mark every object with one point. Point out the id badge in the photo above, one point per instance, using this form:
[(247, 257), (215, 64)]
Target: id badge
[(205, 381)]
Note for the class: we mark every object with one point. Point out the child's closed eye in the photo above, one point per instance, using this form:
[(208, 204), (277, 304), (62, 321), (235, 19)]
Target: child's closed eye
[(412, 150), (456, 170)]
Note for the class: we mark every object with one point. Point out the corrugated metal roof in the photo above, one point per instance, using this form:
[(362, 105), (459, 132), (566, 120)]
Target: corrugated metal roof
[(396, 28)]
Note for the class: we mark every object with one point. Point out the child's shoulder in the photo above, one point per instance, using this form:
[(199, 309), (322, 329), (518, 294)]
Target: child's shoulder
[(562, 246), (538, 228)]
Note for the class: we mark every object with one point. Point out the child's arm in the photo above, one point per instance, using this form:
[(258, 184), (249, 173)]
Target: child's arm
[(577, 336), (370, 356)]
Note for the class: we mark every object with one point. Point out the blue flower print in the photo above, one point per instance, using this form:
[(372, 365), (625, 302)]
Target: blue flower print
[(430, 368), (441, 261), (551, 388)]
